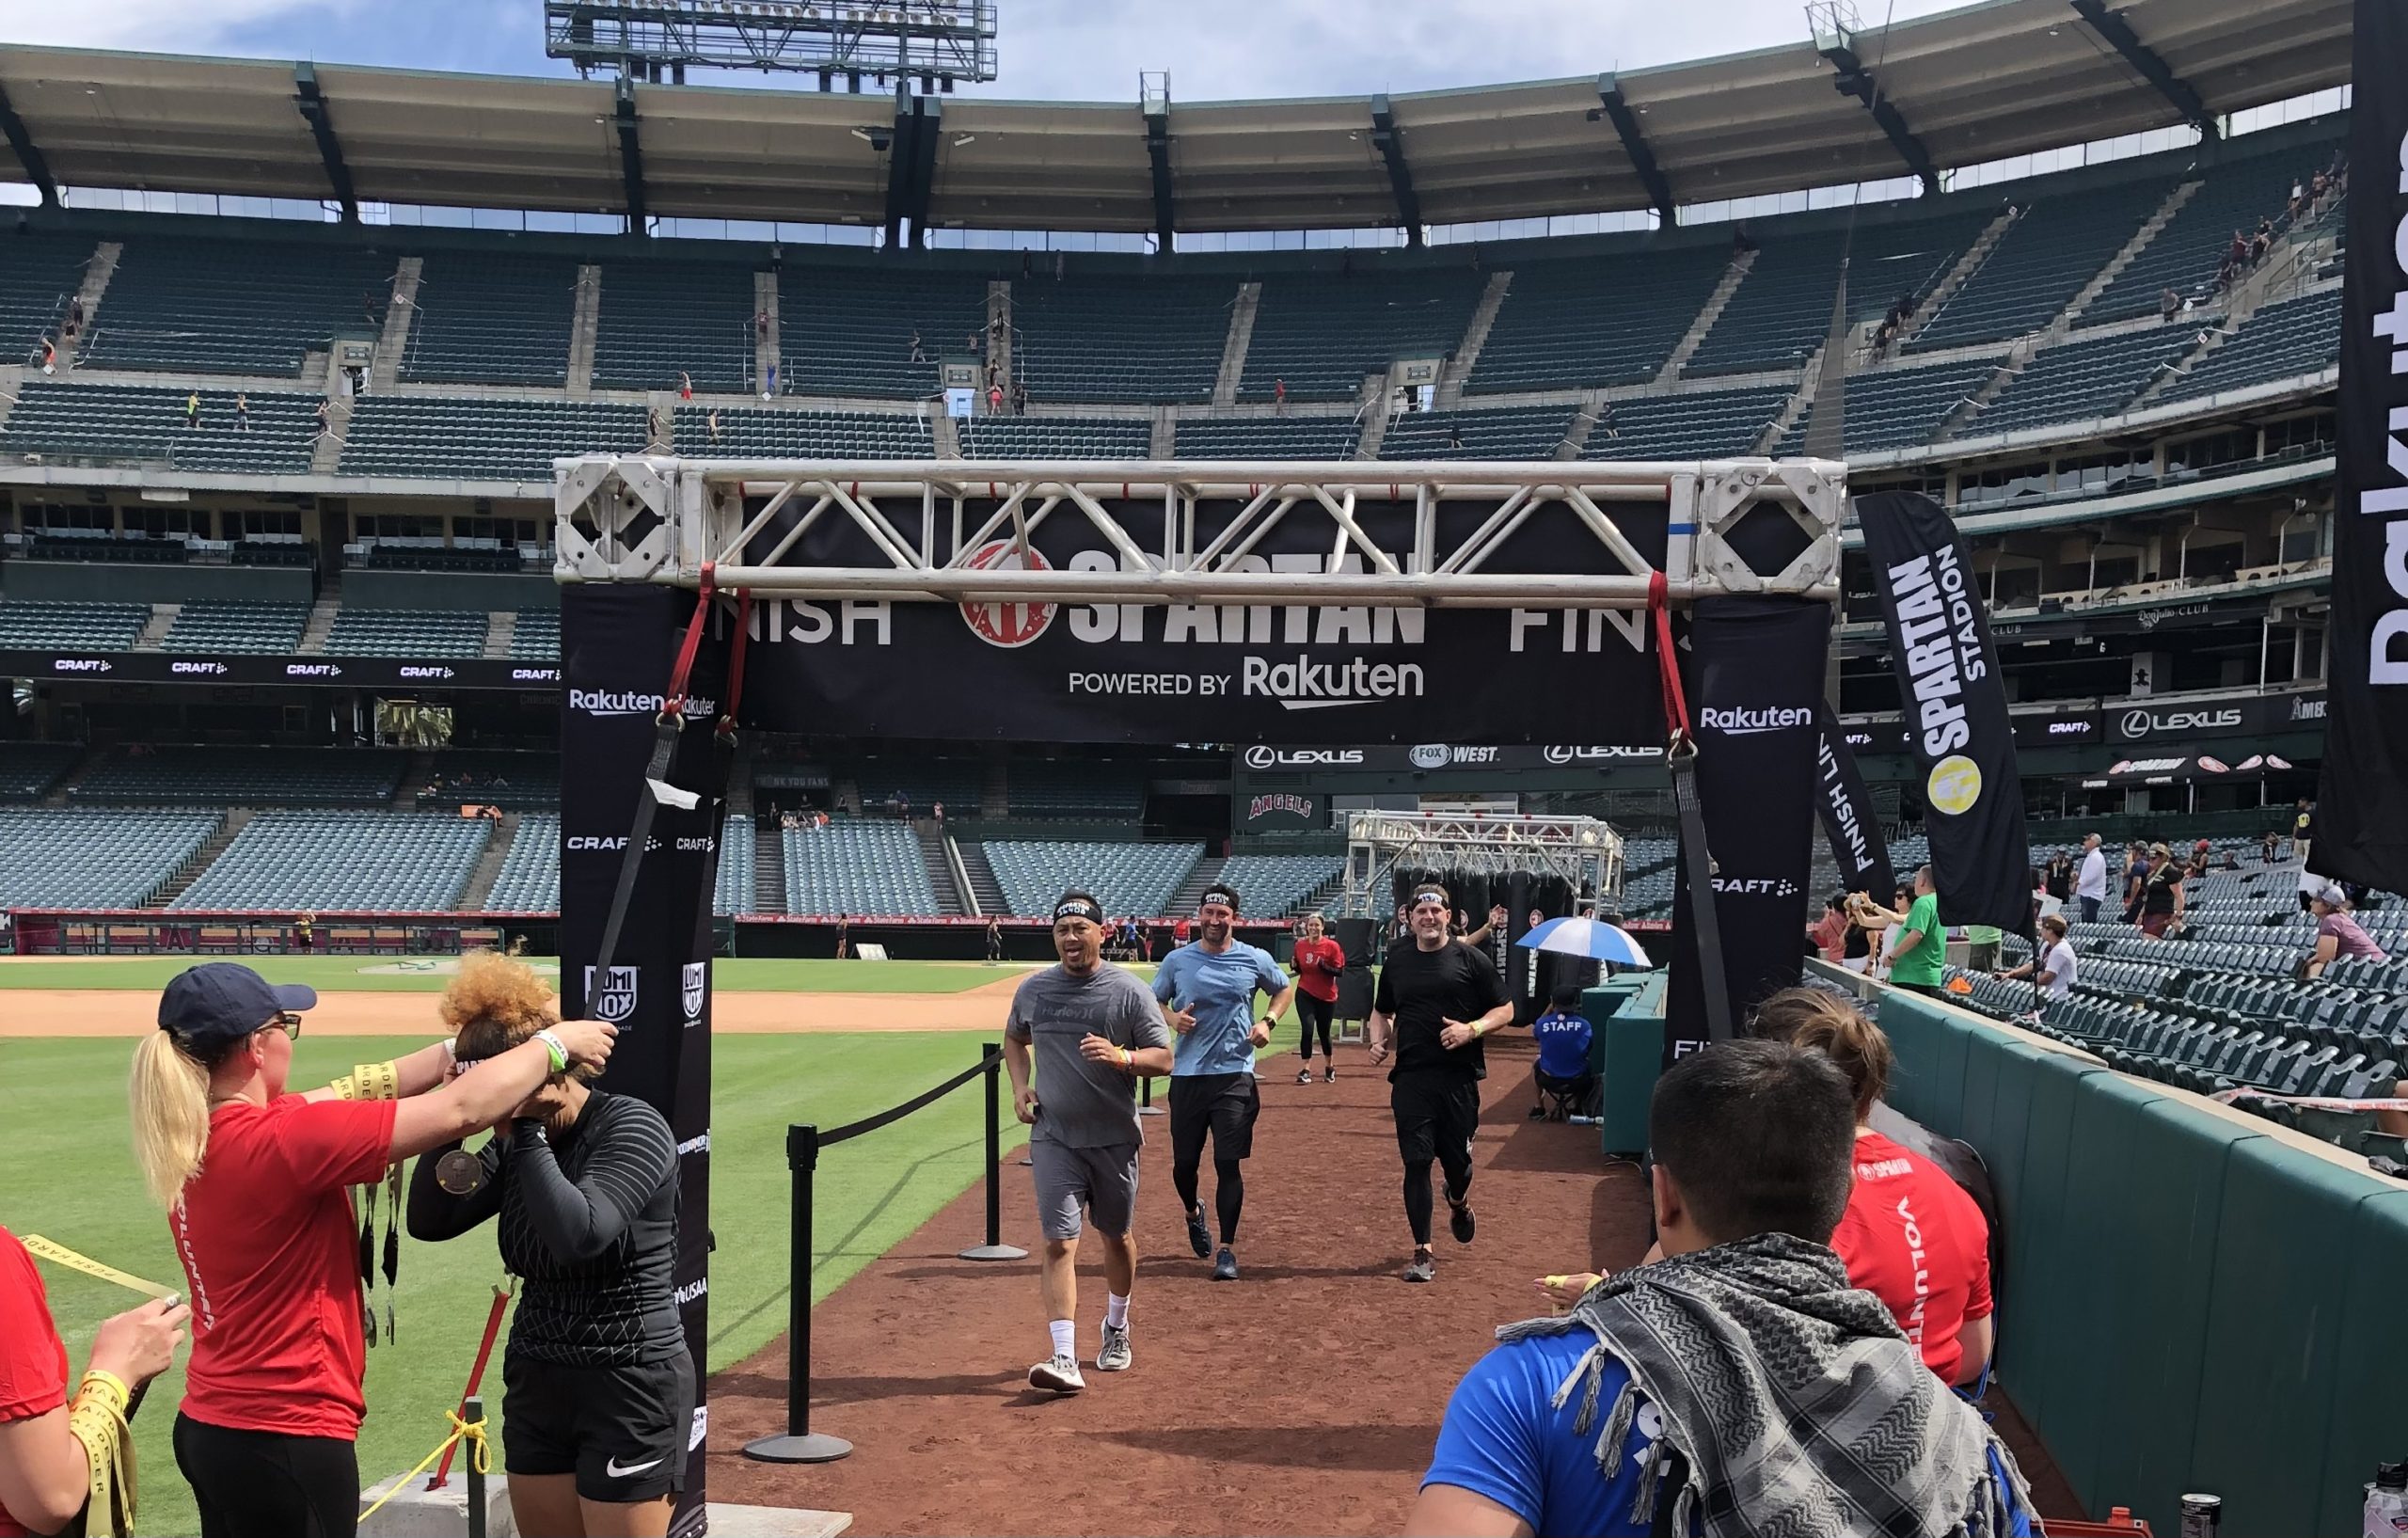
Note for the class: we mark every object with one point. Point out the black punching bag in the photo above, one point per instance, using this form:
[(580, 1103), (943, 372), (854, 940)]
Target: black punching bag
[(1354, 937)]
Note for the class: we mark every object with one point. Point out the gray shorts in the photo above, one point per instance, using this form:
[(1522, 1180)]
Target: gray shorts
[(1103, 1181)]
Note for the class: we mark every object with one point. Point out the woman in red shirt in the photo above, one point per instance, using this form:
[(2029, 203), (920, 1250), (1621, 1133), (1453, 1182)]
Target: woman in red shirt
[(253, 1181), (1910, 1236), (1318, 963), (48, 1439)]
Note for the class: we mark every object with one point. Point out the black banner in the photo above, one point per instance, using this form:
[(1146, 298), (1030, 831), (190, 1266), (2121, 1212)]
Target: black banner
[(415, 673), (1306, 673), (2252, 716), (1754, 673), (2175, 768), (1431, 757), (2361, 817), (1957, 725), (1846, 810), (618, 643)]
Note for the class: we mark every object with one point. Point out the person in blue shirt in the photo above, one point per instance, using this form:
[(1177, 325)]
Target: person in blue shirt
[(1564, 1035), (1206, 988), (1734, 1386)]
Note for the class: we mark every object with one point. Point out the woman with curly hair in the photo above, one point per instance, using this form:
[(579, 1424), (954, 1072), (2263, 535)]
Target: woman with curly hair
[(598, 1390)]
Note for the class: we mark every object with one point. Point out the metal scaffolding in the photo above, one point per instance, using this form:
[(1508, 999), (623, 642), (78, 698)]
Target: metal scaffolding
[(1583, 851)]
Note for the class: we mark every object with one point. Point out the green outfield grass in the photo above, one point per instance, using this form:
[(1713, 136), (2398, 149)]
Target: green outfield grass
[(365, 974), (71, 1177)]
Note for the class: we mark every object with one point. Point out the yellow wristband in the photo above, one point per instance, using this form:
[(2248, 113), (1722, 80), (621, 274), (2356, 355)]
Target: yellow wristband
[(1479, 1029), (107, 1388), (369, 1081), (1127, 1057)]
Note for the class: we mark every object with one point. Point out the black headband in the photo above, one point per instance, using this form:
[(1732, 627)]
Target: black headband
[(1221, 894), (1077, 907)]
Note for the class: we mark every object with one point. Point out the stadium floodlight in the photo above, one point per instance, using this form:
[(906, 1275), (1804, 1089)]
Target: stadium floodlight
[(941, 41), (1833, 24)]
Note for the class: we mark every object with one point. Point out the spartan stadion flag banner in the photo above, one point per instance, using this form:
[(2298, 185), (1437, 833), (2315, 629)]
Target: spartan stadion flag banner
[(1846, 810), (2361, 816), (1308, 672), (1753, 668), (1955, 706), (617, 645)]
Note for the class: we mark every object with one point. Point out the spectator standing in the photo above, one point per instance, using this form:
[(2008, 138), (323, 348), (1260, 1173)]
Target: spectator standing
[(2136, 877), (1318, 963), (994, 940), (1830, 932), (918, 354), (2337, 933), (325, 426), (1593, 1423), (50, 355), (844, 936), (2169, 304), (713, 420), (685, 385), (2090, 883), (1279, 394), (651, 427), (242, 410), (2053, 967), (192, 410), (1856, 941), (995, 397), (1982, 942), (2162, 894), (1020, 396), (75, 315), (2302, 829), (1921, 948)]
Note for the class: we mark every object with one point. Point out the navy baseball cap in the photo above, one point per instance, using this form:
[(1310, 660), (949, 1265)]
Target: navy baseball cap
[(219, 1003)]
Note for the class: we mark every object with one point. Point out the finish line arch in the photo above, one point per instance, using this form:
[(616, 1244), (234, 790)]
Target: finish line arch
[(1249, 602)]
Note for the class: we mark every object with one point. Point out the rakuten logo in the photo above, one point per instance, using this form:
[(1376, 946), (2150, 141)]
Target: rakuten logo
[(608, 702), (1742, 721)]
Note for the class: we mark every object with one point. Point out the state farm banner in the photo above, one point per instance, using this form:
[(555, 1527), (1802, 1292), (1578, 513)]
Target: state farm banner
[(1957, 726), (1302, 673), (1846, 810), (2361, 816)]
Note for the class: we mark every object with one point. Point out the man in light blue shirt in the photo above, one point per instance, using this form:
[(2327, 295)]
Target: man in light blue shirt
[(1206, 988)]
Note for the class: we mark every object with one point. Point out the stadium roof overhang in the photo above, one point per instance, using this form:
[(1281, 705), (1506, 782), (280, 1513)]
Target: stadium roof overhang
[(1980, 82)]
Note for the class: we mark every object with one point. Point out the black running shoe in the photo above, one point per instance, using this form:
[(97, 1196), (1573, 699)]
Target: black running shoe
[(1424, 1267), (1225, 1267), (1460, 1224), (1200, 1238)]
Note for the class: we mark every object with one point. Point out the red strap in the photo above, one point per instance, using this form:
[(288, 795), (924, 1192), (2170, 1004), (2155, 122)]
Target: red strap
[(1676, 704), (673, 705), (476, 1375), (735, 661)]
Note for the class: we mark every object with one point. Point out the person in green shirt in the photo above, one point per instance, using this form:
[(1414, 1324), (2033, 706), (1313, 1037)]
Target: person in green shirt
[(1922, 945), (1983, 940)]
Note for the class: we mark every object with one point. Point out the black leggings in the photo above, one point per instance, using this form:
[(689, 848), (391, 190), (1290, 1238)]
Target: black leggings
[(1417, 1205), (1229, 1193), (266, 1484), (1312, 1012)]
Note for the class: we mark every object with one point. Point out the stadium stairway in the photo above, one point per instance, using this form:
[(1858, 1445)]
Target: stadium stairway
[(237, 819), (1956, 276), (983, 885), (1459, 367), (585, 323), (489, 869), (95, 287), (932, 855), (418, 773), (768, 873), (1708, 314), (325, 455), (1191, 891), (2122, 258), (1241, 314), (393, 345)]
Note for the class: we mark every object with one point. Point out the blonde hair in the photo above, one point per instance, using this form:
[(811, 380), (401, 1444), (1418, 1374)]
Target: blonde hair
[(1825, 1022), (495, 1004), (168, 1090)]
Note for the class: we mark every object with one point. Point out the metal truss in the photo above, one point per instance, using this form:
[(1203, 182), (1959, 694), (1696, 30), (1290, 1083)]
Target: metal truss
[(661, 519), (1583, 851)]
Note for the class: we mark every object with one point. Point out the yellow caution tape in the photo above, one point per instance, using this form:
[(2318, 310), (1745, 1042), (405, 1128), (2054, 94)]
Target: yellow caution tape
[(472, 1432), (59, 1254)]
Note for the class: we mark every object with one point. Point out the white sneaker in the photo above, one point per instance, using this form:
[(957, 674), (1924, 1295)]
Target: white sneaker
[(1059, 1376), (1115, 1355)]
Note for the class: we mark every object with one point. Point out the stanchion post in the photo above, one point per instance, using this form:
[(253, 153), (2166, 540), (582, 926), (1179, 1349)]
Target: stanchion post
[(472, 1411), (1146, 1106), (994, 1248), (800, 1444)]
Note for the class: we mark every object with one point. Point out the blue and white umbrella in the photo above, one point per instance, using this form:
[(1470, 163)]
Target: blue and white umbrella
[(1589, 937)]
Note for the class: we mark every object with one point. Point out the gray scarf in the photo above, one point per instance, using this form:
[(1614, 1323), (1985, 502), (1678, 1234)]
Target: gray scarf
[(1795, 1399)]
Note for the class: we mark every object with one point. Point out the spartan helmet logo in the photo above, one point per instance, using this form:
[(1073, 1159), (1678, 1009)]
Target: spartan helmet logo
[(614, 997), (691, 983)]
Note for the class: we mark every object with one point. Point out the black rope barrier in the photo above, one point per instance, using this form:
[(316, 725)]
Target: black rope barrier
[(800, 1444)]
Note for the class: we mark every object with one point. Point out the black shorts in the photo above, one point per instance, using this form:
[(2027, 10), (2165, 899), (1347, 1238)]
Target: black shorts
[(1433, 1111), (622, 1431), (1223, 1103)]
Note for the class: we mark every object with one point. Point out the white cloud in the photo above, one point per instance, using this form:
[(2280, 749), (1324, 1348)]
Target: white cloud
[(157, 27)]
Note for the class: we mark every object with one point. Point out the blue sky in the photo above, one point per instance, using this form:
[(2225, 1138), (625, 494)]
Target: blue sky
[(1051, 49)]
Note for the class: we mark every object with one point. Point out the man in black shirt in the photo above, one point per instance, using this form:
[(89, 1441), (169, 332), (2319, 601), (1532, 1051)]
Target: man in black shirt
[(1436, 1001)]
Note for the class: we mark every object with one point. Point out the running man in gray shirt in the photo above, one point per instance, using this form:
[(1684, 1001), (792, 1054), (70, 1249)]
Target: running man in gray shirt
[(1091, 1029)]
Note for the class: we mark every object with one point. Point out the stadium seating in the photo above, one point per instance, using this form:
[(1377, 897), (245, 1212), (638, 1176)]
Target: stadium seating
[(83, 859), (1890, 408), (1055, 437), (848, 331), (28, 770), (658, 319), (732, 892), (433, 633), (243, 777), (804, 434), (267, 629), (1269, 438), (71, 627), (2045, 259), (1137, 880), (2186, 254), (124, 546), (483, 437), (122, 422), (382, 861), (2280, 341), (1781, 310), (1278, 883), (537, 638), (924, 781), (1509, 433), (1093, 338), (488, 778), (202, 306), (1321, 333), (854, 868), (1693, 424), (2082, 377), (39, 277), (530, 879), (491, 318), (1580, 324), (1042, 788)]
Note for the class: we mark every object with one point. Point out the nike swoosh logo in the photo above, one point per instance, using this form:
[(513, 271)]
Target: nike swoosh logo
[(614, 1470)]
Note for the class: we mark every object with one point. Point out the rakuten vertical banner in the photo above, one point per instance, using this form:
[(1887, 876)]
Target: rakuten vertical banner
[(1753, 672), (1846, 810), (2361, 816), (1954, 707), (617, 645)]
